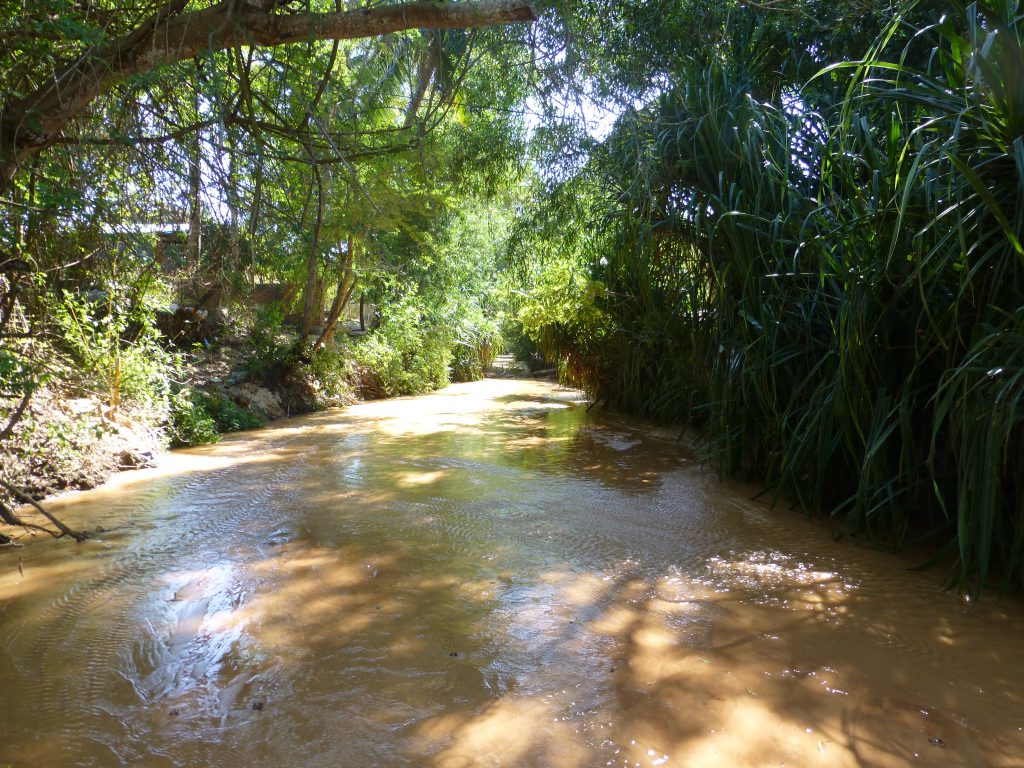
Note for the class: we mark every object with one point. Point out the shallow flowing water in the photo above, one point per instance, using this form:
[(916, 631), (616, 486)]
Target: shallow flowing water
[(484, 576)]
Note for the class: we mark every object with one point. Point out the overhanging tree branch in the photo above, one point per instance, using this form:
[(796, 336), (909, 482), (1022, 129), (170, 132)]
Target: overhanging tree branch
[(171, 35)]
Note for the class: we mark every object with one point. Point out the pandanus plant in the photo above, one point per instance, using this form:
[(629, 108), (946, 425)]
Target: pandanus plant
[(832, 286)]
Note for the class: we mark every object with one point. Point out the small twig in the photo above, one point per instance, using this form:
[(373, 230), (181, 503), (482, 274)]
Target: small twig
[(779, 6), (64, 530)]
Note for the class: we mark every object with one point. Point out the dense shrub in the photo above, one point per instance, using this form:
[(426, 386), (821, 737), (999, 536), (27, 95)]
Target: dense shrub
[(402, 357), (333, 369), (198, 418), (226, 414), (190, 423), (267, 351), (108, 335), (477, 342)]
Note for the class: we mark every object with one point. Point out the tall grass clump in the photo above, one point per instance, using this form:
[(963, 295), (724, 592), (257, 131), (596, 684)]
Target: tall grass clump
[(828, 279), (957, 220)]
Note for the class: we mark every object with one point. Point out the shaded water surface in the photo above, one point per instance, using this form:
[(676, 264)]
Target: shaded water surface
[(483, 576)]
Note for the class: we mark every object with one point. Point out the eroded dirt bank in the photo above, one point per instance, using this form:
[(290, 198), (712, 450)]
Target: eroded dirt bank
[(483, 576)]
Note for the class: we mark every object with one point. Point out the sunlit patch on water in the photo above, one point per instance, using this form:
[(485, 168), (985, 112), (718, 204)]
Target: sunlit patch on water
[(185, 659), (616, 440), (775, 578)]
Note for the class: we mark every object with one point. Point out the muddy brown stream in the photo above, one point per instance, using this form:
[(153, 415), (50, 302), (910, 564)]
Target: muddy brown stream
[(485, 576)]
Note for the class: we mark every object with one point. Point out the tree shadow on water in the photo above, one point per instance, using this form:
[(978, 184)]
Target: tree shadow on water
[(458, 590)]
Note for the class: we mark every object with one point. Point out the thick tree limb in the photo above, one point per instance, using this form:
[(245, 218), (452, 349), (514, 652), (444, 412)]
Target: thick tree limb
[(131, 141), (342, 296), (36, 121), (15, 417), (8, 517), (64, 530)]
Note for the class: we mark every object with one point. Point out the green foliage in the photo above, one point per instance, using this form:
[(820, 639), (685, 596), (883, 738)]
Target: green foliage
[(954, 232), (190, 423), (198, 418), (266, 350), (402, 357), (111, 338), (17, 375), (563, 317), (476, 342), (518, 343), (333, 370), (226, 414), (555, 295), (466, 364)]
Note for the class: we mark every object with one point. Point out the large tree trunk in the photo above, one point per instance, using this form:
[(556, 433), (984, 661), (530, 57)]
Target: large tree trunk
[(233, 198), (170, 35), (194, 239), (342, 296), (312, 305), (424, 72)]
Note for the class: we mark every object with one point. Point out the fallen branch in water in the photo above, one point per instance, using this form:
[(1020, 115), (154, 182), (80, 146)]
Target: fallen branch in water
[(8, 516)]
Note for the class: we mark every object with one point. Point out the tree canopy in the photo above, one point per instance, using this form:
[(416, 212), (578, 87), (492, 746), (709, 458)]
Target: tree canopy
[(794, 224), (105, 46)]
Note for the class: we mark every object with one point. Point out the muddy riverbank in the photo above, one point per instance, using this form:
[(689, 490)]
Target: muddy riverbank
[(487, 575)]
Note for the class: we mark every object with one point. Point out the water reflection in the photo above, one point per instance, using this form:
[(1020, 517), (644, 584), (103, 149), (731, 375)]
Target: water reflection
[(486, 576)]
